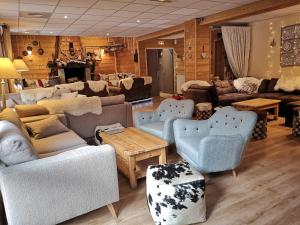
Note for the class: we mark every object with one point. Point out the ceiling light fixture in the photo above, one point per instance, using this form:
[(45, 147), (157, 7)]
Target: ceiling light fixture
[(138, 21), (107, 34), (65, 17), (51, 32)]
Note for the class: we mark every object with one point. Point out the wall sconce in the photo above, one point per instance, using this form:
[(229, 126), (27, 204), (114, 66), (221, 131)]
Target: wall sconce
[(160, 42), (203, 53), (273, 43)]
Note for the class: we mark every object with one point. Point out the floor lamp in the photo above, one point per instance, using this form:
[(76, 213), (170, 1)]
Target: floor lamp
[(7, 71)]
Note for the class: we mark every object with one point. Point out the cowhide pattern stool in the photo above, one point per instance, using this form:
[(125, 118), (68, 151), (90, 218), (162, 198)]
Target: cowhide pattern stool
[(296, 122), (203, 111), (175, 194)]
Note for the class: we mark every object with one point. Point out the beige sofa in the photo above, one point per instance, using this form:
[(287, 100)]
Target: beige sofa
[(59, 157), (114, 110)]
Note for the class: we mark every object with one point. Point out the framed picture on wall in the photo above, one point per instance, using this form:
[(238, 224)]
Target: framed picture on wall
[(290, 46)]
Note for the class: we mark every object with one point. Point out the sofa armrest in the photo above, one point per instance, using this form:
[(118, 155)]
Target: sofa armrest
[(55, 189), (188, 127), (220, 152), (141, 118)]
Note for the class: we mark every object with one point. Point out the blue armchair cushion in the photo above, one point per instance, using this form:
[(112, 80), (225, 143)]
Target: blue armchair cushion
[(160, 122)]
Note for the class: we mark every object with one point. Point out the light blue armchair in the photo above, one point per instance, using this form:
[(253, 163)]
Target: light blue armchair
[(216, 144), (160, 122)]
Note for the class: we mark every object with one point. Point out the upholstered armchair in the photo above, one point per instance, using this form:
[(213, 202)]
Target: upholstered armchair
[(160, 121), (216, 144)]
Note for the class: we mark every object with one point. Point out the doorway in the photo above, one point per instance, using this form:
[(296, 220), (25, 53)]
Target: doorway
[(160, 65)]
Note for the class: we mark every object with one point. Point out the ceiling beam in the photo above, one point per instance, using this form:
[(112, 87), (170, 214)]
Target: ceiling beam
[(250, 9), (161, 33)]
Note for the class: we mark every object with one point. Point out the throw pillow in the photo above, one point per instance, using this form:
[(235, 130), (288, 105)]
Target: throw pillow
[(47, 127), (31, 110), (14, 146), (248, 87), (263, 87), (271, 85), (11, 116)]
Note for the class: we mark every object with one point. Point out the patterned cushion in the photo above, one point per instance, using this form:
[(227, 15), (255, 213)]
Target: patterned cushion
[(175, 194)]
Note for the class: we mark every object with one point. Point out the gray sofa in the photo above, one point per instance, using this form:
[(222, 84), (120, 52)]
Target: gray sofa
[(70, 177)]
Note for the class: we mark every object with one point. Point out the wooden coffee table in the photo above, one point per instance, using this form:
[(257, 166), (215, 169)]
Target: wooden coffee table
[(259, 104), (133, 146)]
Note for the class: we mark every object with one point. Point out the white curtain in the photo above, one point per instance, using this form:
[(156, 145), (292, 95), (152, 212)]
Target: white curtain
[(237, 46)]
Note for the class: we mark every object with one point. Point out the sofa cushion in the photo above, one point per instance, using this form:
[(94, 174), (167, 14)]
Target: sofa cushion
[(57, 143), (227, 99), (30, 110), (155, 128), (224, 87), (14, 146), (11, 116), (272, 85), (276, 95), (47, 127), (263, 87)]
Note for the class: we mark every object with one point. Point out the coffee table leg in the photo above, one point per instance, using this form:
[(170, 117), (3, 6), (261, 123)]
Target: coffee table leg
[(162, 157), (132, 177), (276, 110)]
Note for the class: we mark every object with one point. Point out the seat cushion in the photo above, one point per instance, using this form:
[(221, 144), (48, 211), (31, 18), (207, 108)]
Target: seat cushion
[(228, 99), (155, 128), (59, 142)]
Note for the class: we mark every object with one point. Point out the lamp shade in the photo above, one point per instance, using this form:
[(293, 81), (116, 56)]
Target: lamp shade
[(7, 69), (20, 65)]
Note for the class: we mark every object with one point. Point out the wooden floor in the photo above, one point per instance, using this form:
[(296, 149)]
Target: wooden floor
[(265, 192)]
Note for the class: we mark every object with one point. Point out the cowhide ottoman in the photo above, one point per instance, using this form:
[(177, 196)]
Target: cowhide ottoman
[(175, 194)]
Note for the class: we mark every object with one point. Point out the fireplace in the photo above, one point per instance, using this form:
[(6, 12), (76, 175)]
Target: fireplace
[(74, 72)]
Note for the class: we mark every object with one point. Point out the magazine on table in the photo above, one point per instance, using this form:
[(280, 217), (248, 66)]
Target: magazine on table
[(109, 129)]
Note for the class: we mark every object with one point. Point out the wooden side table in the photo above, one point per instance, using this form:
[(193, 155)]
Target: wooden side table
[(133, 150)]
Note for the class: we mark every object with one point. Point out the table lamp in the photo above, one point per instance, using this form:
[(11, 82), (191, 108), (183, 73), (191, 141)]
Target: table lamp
[(7, 71)]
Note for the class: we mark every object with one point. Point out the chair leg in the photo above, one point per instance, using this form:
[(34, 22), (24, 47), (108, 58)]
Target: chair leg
[(234, 173), (112, 211)]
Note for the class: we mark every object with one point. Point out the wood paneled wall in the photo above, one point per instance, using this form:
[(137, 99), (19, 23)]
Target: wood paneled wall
[(36, 63), (196, 38), (111, 62)]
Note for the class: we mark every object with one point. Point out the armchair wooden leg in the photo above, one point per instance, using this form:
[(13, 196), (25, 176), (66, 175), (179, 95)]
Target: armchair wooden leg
[(112, 211), (234, 173)]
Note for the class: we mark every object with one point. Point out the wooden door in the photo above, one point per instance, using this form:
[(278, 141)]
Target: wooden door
[(166, 79), (153, 69)]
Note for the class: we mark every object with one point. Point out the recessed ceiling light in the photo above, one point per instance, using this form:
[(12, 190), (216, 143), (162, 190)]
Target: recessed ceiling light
[(107, 34), (51, 32), (65, 17), (138, 21), (26, 32)]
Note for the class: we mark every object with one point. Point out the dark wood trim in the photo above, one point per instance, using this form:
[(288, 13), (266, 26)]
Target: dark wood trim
[(250, 9)]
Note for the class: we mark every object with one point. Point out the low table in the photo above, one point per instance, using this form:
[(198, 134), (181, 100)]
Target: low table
[(133, 146), (259, 104)]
